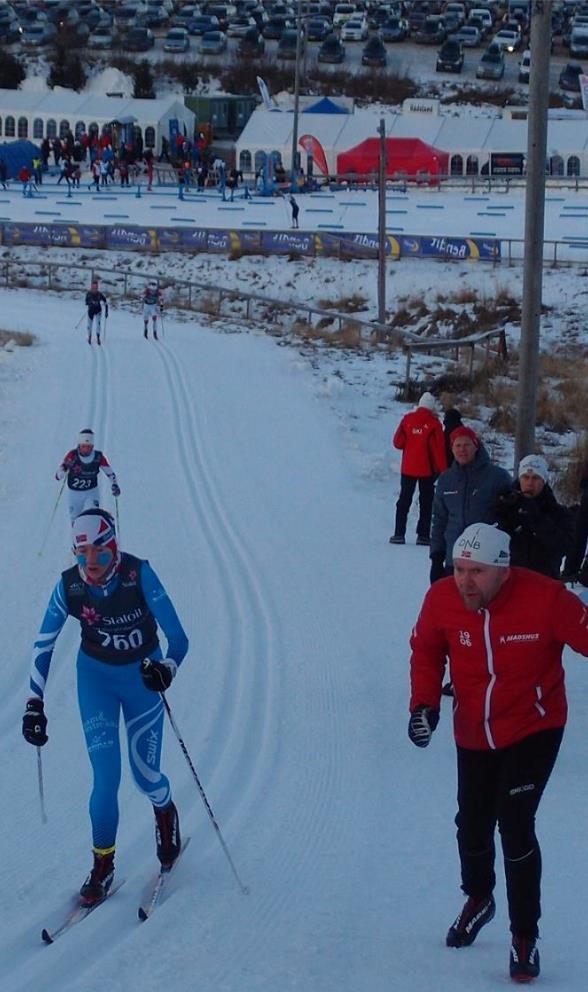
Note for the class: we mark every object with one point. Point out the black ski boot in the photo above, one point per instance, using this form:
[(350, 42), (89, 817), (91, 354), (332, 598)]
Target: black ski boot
[(98, 339), (145, 333), (474, 915), (155, 335), (524, 959), (98, 882), (167, 835)]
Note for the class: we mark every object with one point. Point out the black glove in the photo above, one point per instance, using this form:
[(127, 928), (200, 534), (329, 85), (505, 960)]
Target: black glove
[(115, 489), (158, 675), (34, 723), (421, 725), (437, 566)]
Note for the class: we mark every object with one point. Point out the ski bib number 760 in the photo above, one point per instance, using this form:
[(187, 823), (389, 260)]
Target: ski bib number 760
[(122, 642)]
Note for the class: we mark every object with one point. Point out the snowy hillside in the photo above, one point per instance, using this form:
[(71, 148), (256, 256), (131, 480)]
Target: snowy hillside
[(238, 486)]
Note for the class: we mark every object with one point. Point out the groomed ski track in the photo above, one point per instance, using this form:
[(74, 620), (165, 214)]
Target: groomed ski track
[(292, 700)]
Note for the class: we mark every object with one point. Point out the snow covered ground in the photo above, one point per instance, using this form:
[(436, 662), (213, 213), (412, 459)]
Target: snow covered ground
[(259, 481)]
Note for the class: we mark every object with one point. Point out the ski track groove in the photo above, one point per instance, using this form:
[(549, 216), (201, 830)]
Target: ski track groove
[(312, 813)]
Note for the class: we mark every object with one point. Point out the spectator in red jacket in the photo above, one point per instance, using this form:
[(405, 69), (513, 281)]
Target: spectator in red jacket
[(420, 438), (504, 630)]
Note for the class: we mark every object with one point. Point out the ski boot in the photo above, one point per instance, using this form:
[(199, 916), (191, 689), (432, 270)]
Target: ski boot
[(524, 959), (167, 835), (474, 915), (98, 882), (155, 335), (145, 332), (98, 339)]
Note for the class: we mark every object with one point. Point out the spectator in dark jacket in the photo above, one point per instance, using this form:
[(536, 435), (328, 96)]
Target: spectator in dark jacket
[(451, 420), (420, 438), (540, 528), (465, 494), (574, 569)]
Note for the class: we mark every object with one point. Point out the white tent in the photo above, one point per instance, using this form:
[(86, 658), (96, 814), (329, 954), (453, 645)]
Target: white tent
[(470, 141), (36, 116)]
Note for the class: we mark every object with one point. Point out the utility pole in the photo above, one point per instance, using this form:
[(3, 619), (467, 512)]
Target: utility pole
[(295, 156), (382, 225), (534, 227)]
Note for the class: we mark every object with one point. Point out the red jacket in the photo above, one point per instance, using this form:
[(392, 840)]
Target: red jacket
[(505, 659), (422, 442)]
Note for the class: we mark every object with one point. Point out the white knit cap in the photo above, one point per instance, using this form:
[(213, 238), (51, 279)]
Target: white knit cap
[(483, 543), (428, 401), (535, 464), (86, 437)]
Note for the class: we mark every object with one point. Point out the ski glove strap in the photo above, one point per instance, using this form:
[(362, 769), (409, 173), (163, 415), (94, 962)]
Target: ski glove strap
[(158, 675), (34, 723), (421, 725)]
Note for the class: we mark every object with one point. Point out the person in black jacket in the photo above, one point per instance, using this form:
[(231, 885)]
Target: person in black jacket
[(94, 301), (575, 569), (539, 526), (451, 420)]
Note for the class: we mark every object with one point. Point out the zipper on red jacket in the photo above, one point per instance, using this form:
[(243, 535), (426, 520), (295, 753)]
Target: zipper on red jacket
[(492, 674)]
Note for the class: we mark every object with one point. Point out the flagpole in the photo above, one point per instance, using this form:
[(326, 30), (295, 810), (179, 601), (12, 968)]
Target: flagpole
[(294, 162)]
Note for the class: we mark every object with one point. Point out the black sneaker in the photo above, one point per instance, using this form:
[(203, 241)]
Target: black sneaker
[(424, 542), (475, 914), (524, 959), (167, 835), (397, 539), (98, 882)]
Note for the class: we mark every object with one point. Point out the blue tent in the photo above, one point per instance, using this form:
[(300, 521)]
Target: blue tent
[(325, 106), (18, 153)]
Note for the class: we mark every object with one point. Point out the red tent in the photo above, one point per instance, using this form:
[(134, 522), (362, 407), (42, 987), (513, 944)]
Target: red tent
[(405, 156)]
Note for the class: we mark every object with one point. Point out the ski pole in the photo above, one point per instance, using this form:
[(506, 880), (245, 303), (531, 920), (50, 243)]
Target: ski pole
[(117, 519), (53, 512), (244, 888), (79, 321), (41, 789), (162, 324), (104, 331)]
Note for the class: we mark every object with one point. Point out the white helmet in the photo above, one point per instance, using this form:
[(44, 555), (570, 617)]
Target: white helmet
[(152, 284)]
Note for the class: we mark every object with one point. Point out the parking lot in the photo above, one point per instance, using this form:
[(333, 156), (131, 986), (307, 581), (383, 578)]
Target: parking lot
[(406, 58)]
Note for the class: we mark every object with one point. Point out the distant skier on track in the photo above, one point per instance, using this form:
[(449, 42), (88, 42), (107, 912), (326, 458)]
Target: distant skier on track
[(152, 306), (119, 602), (94, 301), (82, 465)]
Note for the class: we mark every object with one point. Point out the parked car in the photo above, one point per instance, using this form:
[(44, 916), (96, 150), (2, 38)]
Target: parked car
[(355, 29), (317, 28), (103, 37), (38, 35), (202, 23), (394, 29), (450, 57), (569, 77), (287, 44), (185, 14), (342, 13), (213, 43), (491, 65), (156, 15), (177, 40), (276, 25), (432, 31), (139, 40), (332, 49), (457, 10), (126, 15), (374, 52), (508, 40), (525, 67), (239, 24), (251, 45), (468, 36)]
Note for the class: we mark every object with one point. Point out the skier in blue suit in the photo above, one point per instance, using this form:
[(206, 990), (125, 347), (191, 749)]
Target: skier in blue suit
[(119, 602)]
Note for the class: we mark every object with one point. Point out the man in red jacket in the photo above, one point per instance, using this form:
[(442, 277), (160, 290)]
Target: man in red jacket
[(420, 438), (504, 630)]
